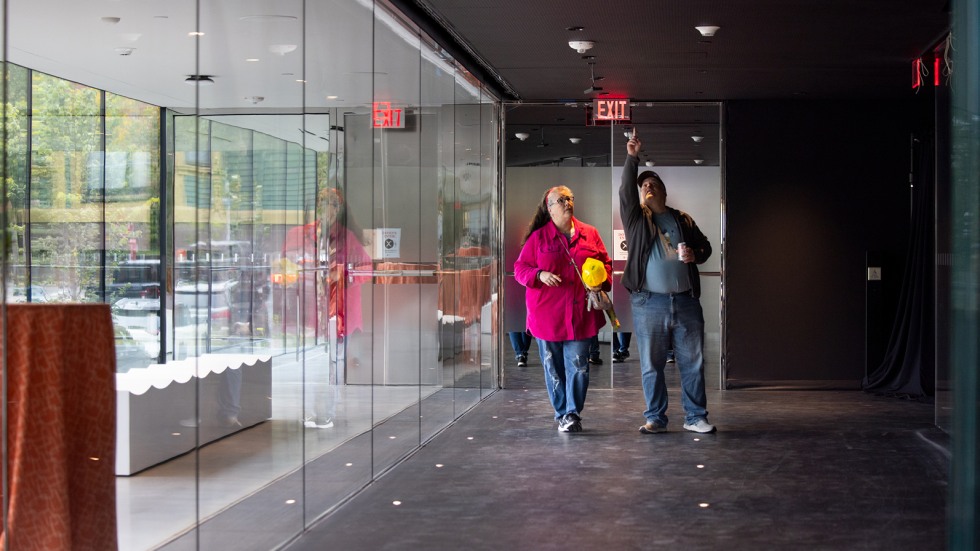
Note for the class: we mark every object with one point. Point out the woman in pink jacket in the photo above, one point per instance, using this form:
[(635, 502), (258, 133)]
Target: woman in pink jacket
[(554, 249)]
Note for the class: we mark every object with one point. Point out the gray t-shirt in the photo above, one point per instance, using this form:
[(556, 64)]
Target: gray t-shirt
[(665, 272)]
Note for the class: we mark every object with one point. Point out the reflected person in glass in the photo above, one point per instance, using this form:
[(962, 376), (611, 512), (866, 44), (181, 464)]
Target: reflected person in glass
[(554, 246), (342, 267)]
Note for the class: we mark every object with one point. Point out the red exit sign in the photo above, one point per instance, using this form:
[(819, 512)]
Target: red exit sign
[(383, 115), (611, 109)]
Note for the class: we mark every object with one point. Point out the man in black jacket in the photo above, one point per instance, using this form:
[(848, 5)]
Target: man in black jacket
[(665, 246)]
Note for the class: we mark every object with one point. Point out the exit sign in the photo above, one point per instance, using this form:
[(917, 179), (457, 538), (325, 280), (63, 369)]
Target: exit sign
[(611, 109), (383, 115)]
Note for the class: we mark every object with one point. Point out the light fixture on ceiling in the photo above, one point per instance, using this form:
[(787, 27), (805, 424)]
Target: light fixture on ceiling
[(649, 163), (708, 30), (201, 80), (522, 136), (697, 139), (575, 140), (581, 46), (282, 49), (698, 161)]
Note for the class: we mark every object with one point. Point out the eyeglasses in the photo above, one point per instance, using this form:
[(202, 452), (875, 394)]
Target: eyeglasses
[(564, 200)]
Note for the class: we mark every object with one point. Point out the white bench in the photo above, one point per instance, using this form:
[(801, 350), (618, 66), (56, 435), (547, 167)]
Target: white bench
[(158, 416)]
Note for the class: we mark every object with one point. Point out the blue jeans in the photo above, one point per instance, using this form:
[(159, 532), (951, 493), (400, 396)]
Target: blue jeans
[(520, 341), (566, 372), (662, 322)]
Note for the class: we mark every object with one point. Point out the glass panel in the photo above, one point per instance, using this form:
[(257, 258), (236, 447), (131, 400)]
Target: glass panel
[(132, 210), (337, 402), (470, 254), (19, 288), (435, 134), (489, 189), (66, 228), (399, 302)]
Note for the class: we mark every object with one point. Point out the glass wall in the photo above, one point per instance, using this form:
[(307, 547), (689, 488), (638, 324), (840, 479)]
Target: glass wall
[(291, 216)]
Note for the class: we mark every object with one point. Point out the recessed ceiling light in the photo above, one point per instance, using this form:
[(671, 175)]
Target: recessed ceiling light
[(575, 140), (195, 33), (332, 97), (252, 59), (697, 139), (708, 30), (698, 161)]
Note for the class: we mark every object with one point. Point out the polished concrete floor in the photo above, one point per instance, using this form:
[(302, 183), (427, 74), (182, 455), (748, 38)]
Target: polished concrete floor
[(786, 470)]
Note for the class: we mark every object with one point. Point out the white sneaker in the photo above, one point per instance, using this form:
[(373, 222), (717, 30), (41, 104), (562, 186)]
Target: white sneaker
[(321, 424), (701, 425)]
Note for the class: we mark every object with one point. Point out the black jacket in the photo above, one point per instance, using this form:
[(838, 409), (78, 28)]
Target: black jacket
[(642, 233)]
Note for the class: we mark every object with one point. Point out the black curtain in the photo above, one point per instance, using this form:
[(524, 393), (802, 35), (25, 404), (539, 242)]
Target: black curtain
[(908, 368)]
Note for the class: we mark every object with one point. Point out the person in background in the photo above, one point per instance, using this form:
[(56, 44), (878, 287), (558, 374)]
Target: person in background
[(555, 246), (662, 277), (621, 346), (595, 357), (521, 342)]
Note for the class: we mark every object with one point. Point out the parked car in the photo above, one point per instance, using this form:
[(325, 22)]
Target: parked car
[(130, 353), (206, 305)]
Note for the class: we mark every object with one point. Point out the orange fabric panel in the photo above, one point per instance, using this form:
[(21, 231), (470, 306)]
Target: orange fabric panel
[(61, 365)]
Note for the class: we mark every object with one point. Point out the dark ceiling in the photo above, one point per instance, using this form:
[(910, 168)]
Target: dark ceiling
[(649, 51)]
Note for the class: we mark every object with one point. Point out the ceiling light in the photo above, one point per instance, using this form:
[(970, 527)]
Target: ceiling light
[(282, 49), (522, 136), (708, 30), (575, 140), (697, 139), (203, 80), (332, 97), (649, 163), (251, 59), (698, 161), (581, 46)]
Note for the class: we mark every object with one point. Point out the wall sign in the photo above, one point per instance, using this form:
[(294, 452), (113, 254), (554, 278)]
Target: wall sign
[(619, 240), (383, 115), (617, 109)]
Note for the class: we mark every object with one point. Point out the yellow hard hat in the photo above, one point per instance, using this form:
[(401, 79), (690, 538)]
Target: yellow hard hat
[(593, 273)]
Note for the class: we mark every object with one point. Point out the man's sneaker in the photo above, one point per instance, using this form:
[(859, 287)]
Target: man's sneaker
[(653, 428), (617, 358), (570, 423), (595, 360), (700, 425), (624, 354), (522, 361), (311, 423)]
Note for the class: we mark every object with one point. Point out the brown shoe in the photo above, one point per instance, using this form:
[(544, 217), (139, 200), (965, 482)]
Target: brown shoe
[(653, 428)]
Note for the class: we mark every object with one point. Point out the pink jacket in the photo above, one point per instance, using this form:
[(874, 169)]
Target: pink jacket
[(559, 313)]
